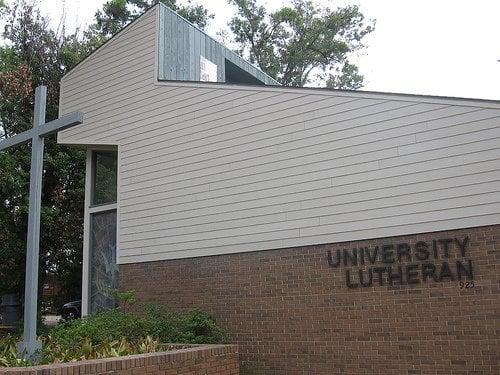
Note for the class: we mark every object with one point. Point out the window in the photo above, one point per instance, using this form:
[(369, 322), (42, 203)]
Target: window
[(104, 177), (103, 267), (103, 270)]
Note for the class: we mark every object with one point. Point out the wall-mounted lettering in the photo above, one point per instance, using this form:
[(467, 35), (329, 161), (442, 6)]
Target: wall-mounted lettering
[(404, 263)]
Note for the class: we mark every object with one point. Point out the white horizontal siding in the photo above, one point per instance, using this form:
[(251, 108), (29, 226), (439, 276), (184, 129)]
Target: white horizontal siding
[(312, 210), (403, 185), (397, 141), (340, 222), (122, 67), (213, 169)]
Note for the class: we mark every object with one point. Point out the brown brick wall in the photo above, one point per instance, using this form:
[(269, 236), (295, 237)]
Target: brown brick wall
[(203, 360), (291, 312)]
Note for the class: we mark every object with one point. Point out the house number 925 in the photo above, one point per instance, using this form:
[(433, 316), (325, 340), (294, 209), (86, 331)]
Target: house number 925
[(466, 284)]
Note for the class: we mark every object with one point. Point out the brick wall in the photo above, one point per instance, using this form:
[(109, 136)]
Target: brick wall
[(292, 311), (202, 360)]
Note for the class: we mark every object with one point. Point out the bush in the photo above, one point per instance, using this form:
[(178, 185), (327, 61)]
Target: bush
[(54, 352), (100, 327), (115, 332), (8, 352), (191, 327)]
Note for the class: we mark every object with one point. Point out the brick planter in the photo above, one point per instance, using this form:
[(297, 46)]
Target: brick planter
[(203, 359)]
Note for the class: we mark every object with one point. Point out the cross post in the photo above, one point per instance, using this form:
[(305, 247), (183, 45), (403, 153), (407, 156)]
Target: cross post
[(29, 346)]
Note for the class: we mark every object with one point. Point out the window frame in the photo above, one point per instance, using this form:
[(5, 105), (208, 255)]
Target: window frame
[(91, 209)]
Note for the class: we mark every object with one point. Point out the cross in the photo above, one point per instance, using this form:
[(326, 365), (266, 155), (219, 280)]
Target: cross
[(30, 345)]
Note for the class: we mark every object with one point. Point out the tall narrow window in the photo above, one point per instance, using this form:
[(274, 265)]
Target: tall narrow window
[(102, 245)]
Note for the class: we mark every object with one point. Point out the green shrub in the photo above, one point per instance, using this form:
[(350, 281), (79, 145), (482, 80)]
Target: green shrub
[(197, 327), (86, 349), (8, 353), (54, 352), (100, 327), (191, 327), (115, 332)]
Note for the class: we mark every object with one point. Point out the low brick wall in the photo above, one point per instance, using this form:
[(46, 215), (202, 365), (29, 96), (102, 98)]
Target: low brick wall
[(202, 360)]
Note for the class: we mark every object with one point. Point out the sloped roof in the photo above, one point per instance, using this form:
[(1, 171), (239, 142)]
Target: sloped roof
[(180, 45)]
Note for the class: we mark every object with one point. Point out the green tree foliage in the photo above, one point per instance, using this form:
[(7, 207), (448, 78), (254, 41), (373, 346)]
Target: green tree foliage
[(303, 42), (296, 44), (116, 14), (31, 55)]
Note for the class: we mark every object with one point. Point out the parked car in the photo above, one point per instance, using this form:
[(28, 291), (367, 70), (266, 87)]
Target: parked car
[(71, 310)]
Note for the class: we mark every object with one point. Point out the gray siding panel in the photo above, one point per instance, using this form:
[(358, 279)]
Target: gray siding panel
[(219, 169), (213, 169)]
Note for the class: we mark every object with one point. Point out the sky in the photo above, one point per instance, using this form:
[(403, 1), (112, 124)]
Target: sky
[(434, 47)]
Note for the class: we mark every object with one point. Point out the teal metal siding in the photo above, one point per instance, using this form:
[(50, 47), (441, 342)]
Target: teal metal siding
[(181, 44)]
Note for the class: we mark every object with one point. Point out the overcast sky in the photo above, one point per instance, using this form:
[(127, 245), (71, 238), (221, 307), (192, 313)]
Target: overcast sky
[(436, 47)]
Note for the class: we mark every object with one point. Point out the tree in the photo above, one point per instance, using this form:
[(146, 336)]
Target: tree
[(301, 43), (116, 14), (296, 44), (32, 54)]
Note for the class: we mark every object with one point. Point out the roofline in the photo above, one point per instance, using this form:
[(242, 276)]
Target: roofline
[(495, 103), (107, 41), (323, 90), (159, 4)]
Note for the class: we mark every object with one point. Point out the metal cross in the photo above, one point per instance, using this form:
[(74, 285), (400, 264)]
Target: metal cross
[(30, 345)]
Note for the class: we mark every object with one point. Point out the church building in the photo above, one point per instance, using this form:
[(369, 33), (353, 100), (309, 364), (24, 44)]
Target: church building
[(327, 231)]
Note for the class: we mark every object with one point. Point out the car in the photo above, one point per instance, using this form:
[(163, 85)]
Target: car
[(72, 310)]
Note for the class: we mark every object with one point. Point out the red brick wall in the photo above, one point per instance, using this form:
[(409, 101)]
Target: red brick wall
[(202, 360), (293, 313)]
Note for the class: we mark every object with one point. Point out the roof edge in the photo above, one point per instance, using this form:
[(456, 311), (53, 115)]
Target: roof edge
[(472, 102)]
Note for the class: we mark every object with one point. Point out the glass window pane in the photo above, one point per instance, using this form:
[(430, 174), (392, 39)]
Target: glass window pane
[(105, 172), (103, 267)]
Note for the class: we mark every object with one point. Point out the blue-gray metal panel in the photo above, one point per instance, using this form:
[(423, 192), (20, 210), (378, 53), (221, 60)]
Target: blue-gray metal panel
[(221, 72), (182, 43), (181, 48), (208, 48), (224, 54), (167, 37), (213, 56), (162, 59), (191, 48), (161, 47), (176, 46), (196, 57), (202, 53), (184, 53), (171, 50)]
